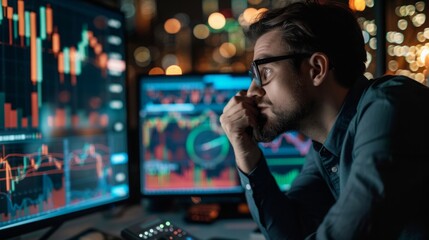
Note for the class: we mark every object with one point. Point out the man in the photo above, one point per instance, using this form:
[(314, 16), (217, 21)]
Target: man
[(367, 174)]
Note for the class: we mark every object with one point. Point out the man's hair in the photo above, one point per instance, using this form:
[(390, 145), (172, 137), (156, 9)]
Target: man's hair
[(310, 26)]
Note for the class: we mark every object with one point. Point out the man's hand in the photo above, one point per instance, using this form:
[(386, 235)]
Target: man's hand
[(238, 119)]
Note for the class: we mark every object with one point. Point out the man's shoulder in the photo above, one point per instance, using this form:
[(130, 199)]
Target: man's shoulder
[(391, 86), (393, 81)]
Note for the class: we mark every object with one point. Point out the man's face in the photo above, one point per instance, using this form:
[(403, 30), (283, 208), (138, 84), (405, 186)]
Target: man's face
[(283, 99)]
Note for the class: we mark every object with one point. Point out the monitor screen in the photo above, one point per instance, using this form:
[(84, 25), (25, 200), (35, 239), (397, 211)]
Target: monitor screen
[(63, 131), (184, 150)]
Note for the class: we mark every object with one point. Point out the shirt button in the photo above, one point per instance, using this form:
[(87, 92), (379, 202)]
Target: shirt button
[(334, 169), (248, 187)]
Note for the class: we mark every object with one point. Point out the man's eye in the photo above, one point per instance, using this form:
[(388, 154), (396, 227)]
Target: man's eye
[(266, 74)]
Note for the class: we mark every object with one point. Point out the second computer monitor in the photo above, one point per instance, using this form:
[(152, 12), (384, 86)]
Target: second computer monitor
[(184, 150)]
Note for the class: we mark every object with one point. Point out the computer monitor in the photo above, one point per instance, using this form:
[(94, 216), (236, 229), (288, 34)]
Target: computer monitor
[(183, 149), (63, 128)]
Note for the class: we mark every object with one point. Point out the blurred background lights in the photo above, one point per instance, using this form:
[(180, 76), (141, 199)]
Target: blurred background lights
[(168, 60), (172, 26), (148, 8), (402, 24), (142, 56), (210, 6), (156, 71), (373, 43), (420, 6), (419, 19), (420, 37), (411, 10), (370, 27), (393, 65), (217, 57), (369, 3), (365, 36), (390, 51), (413, 66), (209, 35), (118, 126), (426, 33), (424, 56), (368, 59), (357, 5), (127, 7), (173, 70), (216, 20), (368, 75), (250, 15), (201, 31), (420, 77), (227, 50), (254, 2)]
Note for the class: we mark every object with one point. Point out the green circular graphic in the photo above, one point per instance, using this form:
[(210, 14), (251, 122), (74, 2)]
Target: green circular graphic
[(207, 147)]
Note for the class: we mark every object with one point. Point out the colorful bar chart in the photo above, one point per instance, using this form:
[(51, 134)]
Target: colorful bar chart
[(63, 132)]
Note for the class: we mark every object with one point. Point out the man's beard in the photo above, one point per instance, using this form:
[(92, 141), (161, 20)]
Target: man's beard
[(270, 128)]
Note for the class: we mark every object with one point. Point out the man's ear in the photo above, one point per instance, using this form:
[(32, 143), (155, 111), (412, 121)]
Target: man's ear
[(319, 67)]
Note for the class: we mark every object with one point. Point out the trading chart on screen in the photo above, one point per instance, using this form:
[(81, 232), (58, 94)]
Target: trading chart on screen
[(183, 147), (285, 156), (63, 143)]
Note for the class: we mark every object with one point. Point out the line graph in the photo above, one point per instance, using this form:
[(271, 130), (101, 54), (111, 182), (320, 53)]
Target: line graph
[(182, 121), (50, 178), (30, 182), (289, 144)]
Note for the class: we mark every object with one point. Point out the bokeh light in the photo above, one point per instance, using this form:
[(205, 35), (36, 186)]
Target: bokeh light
[(156, 71), (173, 70), (168, 60), (201, 31), (142, 56), (216, 20), (172, 26), (227, 50), (357, 5)]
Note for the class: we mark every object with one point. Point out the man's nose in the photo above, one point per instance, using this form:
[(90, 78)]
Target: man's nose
[(255, 91)]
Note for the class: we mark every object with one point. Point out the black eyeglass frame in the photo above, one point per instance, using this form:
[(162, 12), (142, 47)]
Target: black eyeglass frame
[(254, 70)]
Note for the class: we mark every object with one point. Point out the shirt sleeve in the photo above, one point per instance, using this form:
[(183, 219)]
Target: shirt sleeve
[(292, 215)]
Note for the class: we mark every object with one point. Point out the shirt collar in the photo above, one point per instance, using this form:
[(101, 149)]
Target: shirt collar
[(335, 137)]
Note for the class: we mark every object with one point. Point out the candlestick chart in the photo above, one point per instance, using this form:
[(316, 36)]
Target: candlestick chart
[(62, 102)]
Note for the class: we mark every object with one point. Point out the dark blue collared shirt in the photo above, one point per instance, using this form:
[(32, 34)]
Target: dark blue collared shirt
[(369, 180)]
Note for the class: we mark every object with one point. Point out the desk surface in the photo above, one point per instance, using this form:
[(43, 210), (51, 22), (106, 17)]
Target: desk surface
[(227, 229)]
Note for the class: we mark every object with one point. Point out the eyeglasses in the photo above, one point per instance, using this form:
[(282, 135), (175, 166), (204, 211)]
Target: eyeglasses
[(254, 70)]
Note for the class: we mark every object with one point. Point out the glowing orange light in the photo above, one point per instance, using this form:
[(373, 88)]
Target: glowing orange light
[(156, 71), (172, 26), (357, 5)]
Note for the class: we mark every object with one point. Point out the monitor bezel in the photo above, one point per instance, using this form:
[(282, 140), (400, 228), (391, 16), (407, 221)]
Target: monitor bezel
[(181, 195), (56, 221)]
